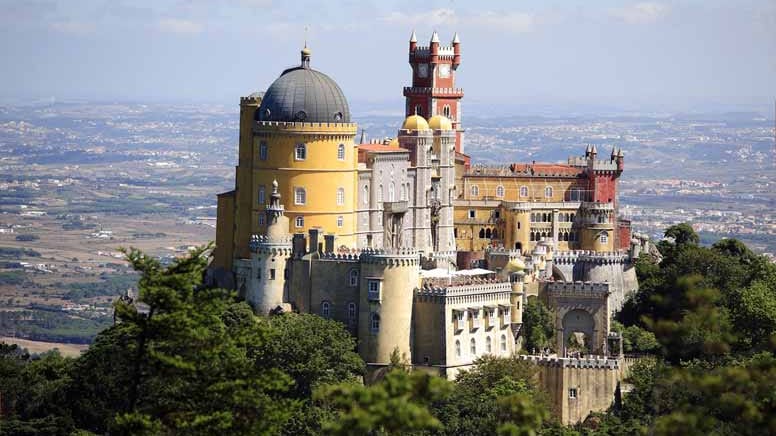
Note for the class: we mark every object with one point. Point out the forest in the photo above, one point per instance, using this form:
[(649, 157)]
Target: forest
[(183, 359)]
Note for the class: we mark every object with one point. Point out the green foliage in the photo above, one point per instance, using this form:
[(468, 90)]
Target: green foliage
[(110, 285), (17, 253), (538, 326), (398, 404), (27, 237), (682, 234), (12, 277), (47, 325)]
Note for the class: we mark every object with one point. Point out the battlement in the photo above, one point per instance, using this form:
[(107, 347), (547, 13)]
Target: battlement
[(594, 206), (424, 50), (341, 257), (603, 258), (598, 164), (251, 99), (405, 256), (592, 362), (427, 90), (265, 244), (458, 286), (578, 289), (302, 127)]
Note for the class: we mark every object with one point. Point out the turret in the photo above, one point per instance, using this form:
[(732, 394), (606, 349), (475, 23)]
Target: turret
[(413, 42), (434, 48), (456, 51), (620, 158)]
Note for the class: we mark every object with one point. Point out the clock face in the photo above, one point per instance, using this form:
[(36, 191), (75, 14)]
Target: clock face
[(444, 70), (423, 70)]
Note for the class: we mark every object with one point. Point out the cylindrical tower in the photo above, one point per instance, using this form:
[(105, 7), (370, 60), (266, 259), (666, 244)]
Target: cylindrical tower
[(521, 227), (387, 284)]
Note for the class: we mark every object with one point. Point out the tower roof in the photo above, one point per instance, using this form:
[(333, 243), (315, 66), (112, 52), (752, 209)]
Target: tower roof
[(440, 122), (304, 95), (434, 37), (415, 122), (455, 38), (413, 38)]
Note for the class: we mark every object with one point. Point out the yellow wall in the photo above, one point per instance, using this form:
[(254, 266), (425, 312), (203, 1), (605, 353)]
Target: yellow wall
[(223, 254), (487, 187)]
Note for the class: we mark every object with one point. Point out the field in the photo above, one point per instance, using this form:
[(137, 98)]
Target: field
[(37, 347)]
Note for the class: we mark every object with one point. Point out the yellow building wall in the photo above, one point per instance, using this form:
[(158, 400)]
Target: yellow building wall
[(223, 252), (487, 188)]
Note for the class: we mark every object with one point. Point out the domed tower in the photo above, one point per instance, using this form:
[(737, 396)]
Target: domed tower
[(416, 136), (269, 254), (301, 135), (442, 183)]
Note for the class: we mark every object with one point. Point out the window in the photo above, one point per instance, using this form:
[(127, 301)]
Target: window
[(473, 347), (341, 152), (499, 191), (573, 393), (352, 311), (373, 290), (272, 274), (601, 219), (472, 214), (325, 309), (340, 196), (299, 221), (366, 194), (403, 192), (503, 343), (380, 194), (263, 150), (391, 192), (340, 221), (353, 277), (604, 237), (488, 345), (375, 321), (548, 192), (524, 191), (475, 190), (261, 220), (475, 319), (300, 152), (457, 348), (418, 110), (446, 111), (262, 192), (300, 196)]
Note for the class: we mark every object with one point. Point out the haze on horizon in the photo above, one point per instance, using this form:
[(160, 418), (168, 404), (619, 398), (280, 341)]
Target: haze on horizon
[(637, 52)]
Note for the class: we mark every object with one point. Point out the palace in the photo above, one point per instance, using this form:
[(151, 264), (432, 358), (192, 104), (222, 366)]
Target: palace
[(412, 247)]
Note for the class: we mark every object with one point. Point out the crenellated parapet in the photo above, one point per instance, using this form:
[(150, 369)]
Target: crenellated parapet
[(405, 256), (600, 258), (341, 257), (578, 289), (275, 246), (593, 362)]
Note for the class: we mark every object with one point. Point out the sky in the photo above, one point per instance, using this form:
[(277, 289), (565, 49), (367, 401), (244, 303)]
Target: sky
[(514, 51)]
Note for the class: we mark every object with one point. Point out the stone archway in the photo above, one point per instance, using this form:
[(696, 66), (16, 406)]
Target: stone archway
[(578, 331)]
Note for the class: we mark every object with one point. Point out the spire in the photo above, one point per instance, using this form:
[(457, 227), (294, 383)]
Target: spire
[(275, 209), (593, 150), (455, 39), (587, 150), (306, 52), (413, 38), (434, 37), (614, 152), (619, 152)]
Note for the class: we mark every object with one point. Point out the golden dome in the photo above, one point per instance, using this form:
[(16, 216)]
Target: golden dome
[(440, 122), (415, 122), (394, 142), (515, 265)]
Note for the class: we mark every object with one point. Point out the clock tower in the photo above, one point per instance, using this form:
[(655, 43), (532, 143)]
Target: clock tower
[(433, 90)]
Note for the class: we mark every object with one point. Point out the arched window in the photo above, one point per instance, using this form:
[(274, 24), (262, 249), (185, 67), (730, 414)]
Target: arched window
[(261, 194), (524, 191), (457, 348), (340, 196), (532, 236), (403, 192), (488, 233), (366, 194), (455, 232), (565, 236), (325, 309), (263, 150), (503, 343), (495, 234), (533, 217), (351, 311), (446, 111), (300, 152), (473, 347), (392, 192), (300, 196), (518, 225), (548, 192), (475, 190), (482, 233), (299, 221), (573, 217), (499, 191), (375, 322), (488, 345), (380, 194), (353, 277), (340, 221), (544, 217), (601, 218), (418, 110), (261, 220), (604, 237), (341, 152)]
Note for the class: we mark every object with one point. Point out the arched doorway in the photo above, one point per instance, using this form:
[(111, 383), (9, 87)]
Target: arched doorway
[(578, 332)]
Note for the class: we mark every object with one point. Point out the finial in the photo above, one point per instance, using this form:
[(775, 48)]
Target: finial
[(413, 38), (434, 37), (275, 186), (455, 39), (306, 52)]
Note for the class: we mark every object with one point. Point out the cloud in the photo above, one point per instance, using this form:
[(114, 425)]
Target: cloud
[(512, 22), (179, 26), (640, 13), (73, 27)]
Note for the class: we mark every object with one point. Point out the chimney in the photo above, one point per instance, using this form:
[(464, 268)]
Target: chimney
[(314, 240), (329, 243)]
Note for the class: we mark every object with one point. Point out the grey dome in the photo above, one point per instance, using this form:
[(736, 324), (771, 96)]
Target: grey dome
[(303, 94)]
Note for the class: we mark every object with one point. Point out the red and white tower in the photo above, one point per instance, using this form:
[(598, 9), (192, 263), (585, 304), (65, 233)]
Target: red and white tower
[(433, 90)]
